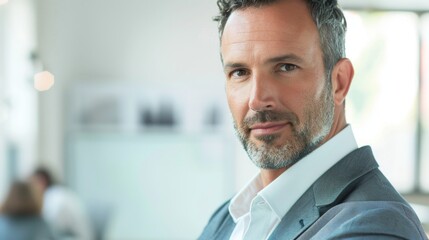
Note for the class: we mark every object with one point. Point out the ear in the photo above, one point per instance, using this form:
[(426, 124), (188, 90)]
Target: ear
[(342, 75)]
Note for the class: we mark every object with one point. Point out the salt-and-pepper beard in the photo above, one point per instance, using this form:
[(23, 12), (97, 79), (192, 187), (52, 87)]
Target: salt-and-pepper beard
[(306, 134)]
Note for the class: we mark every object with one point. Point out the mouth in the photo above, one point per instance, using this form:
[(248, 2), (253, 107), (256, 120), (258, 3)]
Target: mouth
[(268, 128)]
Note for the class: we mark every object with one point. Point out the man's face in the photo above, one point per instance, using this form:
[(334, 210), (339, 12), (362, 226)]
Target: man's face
[(276, 83)]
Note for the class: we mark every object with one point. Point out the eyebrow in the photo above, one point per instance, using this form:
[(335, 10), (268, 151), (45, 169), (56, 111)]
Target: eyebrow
[(234, 65), (283, 58)]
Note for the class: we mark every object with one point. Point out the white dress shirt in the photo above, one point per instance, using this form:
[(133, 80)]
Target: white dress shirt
[(257, 210), (64, 212)]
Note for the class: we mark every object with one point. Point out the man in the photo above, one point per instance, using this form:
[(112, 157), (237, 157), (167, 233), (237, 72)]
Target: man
[(20, 215), (62, 208), (286, 82)]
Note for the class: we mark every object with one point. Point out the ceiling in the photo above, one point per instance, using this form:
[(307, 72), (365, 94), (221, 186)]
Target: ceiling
[(415, 5)]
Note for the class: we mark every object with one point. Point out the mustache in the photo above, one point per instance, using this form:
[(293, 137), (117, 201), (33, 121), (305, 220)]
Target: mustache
[(269, 116)]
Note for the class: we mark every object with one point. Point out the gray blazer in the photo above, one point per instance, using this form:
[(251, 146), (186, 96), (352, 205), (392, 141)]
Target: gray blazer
[(352, 200)]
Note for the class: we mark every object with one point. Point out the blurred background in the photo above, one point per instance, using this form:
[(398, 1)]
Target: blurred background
[(137, 124)]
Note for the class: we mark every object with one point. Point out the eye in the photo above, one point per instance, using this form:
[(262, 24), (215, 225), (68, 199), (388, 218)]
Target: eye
[(239, 73), (287, 67)]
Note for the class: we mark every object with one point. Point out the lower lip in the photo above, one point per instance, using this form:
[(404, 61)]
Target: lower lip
[(269, 131)]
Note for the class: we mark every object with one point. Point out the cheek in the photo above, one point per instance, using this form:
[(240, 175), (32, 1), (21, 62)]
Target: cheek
[(301, 94), (298, 101), (238, 103)]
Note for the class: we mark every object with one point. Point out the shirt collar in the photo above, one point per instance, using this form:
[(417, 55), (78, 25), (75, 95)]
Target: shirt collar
[(280, 195), (240, 203)]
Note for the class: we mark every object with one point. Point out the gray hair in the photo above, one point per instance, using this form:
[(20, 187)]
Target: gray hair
[(327, 16)]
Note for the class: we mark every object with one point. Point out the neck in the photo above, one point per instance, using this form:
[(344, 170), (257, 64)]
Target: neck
[(269, 175)]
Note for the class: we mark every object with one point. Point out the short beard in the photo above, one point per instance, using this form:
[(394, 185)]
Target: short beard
[(318, 119)]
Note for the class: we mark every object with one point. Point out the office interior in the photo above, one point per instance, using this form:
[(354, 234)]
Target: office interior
[(136, 122)]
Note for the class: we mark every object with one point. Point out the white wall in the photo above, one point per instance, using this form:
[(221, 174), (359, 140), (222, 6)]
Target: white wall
[(134, 40), (161, 44)]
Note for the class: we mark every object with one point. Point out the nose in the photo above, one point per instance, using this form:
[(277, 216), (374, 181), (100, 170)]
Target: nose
[(262, 94)]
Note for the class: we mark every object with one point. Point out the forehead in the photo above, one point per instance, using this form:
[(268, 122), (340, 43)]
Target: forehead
[(286, 23)]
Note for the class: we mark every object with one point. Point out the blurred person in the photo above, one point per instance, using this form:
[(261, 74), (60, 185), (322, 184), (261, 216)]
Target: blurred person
[(286, 83), (20, 215), (62, 208)]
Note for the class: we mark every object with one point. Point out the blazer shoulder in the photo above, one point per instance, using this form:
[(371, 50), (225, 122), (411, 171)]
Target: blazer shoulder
[(368, 220), (221, 211), (218, 219)]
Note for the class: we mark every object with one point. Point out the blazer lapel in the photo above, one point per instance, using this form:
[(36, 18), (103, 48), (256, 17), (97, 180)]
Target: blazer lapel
[(302, 215), (331, 188), (328, 191), (225, 229)]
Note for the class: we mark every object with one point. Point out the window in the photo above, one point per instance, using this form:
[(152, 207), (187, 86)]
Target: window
[(383, 103)]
